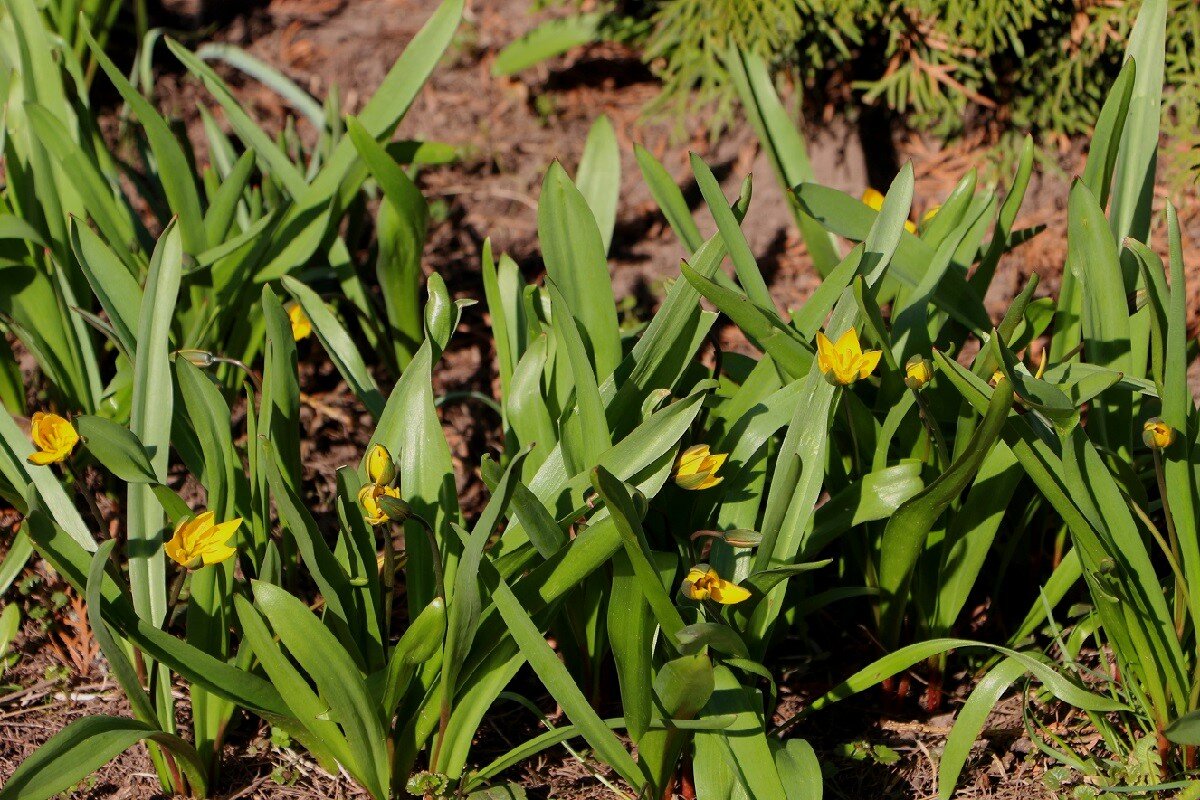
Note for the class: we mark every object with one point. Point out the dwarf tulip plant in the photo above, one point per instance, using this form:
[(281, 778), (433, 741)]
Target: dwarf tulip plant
[(659, 509)]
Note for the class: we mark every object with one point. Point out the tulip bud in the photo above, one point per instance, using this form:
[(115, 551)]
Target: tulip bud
[(917, 372), (1157, 434), (393, 508), (380, 467), (424, 635), (742, 537), (198, 358)]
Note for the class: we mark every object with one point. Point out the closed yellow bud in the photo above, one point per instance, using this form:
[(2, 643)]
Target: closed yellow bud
[(1157, 434), (917, 372), (931, 213), (844, 361), (697, 468), (380, 467), (873, 199), (703, 582), (54, 438), (200, 541), (997, 376), (301, 325)]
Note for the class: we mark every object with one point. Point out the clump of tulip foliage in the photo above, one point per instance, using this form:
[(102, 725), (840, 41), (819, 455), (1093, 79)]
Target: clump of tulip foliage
[(662, 511)]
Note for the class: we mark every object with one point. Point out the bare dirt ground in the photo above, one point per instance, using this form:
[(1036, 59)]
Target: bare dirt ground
[(509, 129)]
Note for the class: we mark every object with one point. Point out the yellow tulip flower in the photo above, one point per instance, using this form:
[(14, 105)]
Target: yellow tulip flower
[(697, 468), (368, 498), (1157, 434), (301, 325), (844, 361), (873, 199), (703, 582), (380, 467), (54, 438), (931, 213), (198, 541)]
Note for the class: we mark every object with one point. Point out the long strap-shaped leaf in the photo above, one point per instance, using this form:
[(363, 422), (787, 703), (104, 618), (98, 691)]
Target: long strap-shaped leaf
[(906, 532), (150, 420), (88, 744)]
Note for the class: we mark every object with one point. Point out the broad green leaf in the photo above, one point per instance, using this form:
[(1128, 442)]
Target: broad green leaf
[(114, 446), (738, 248), (669, 198), (336, 677), (172, 167), (86, 745), (587, 435), (339, 345), (150, 421), (970, 721), (599, 176), (562, 686), (551, 38), (781, 138), (401, 242), (906, 532), (576, 262)]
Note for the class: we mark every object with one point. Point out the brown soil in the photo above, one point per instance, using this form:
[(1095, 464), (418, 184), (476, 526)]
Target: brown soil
[(509, 130)]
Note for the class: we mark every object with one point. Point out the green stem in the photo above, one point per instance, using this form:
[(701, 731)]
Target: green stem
[(932, 429)]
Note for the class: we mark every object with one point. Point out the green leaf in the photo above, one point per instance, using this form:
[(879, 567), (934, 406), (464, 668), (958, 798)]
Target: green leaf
[(86, 745), (402, 240), (150, 421), (719, 637), (847, 216), (630, 635), (784, 143), (588, 435), (599, 176), (309, 711), (551, 38), (906, 532), (743, 259), (117, 449), (576, 262), (338, 344), (421, 641), (628, 522), (970, 721), (172, 168), (1093, 260), (111, 282), (336, 677), (1137, 160), (1106, 137), (118, 660), (669, 198), (267, 75), (410, 429), (900, 660), (558, 681)]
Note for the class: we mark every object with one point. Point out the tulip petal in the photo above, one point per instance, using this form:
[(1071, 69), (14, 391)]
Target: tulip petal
[(727, 592), (867, 362), (847, 345)]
